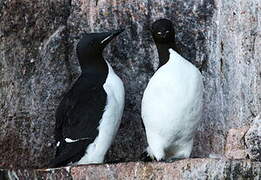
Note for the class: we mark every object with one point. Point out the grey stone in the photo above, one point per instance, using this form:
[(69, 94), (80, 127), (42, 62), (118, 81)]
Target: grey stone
[(33, 76), (253, 139)]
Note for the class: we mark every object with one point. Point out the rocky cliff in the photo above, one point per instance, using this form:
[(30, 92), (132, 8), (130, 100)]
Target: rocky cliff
[(38, 64)]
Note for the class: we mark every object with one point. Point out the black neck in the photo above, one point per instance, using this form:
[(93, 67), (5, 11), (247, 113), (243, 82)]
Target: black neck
[(95, 65), (163, 51)]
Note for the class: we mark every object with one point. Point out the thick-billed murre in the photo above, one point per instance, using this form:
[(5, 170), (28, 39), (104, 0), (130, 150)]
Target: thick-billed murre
[(172, 101), (89, 115)]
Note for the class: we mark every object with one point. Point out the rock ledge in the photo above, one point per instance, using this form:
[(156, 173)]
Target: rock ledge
[(182, 169)]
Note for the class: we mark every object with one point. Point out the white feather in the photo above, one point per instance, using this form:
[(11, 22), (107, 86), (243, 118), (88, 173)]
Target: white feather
[(171, 108), (58, 144), (110, 121), (68, 140)]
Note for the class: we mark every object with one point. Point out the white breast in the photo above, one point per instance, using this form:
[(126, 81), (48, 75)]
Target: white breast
[(172, 101), (110, 121)]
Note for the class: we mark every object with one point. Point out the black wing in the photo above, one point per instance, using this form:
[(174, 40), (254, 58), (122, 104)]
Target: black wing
[(77, 117)]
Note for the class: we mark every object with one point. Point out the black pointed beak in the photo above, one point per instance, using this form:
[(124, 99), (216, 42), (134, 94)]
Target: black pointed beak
[(108, 36), (117, 32)]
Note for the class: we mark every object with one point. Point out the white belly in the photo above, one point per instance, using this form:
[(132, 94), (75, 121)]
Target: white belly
[(172, 103), (110, 121)]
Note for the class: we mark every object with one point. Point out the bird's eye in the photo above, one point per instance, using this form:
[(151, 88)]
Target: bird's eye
[(159, 33)]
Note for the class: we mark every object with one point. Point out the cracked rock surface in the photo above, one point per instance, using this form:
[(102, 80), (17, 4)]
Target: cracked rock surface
[(253, 139), (38, 64)]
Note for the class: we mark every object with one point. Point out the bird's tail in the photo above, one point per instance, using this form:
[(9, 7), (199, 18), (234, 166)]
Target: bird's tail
[(69, 153), (145, 157), (61, 161)]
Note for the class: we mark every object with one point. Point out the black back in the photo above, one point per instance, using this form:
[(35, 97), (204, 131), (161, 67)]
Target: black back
[(81, 109), (163, 34), (78, 117)]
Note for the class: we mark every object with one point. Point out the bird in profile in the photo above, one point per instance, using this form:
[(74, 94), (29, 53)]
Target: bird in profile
[(89, 115), (172, 101)]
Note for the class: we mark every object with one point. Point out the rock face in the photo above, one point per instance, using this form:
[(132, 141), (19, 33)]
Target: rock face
[(33, 76), (253, 139), (184, 169), (232, 76), (38, 63)]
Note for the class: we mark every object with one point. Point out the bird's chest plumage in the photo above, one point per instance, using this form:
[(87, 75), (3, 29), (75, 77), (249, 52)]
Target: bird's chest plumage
[(171, 103), (115, 97)]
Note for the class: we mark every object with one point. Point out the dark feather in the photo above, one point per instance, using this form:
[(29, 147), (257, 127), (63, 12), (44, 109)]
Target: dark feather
[(78, 116)]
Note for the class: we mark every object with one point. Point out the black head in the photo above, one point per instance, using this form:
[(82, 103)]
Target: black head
[(164, 37), (92, 44), (163, 31)]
